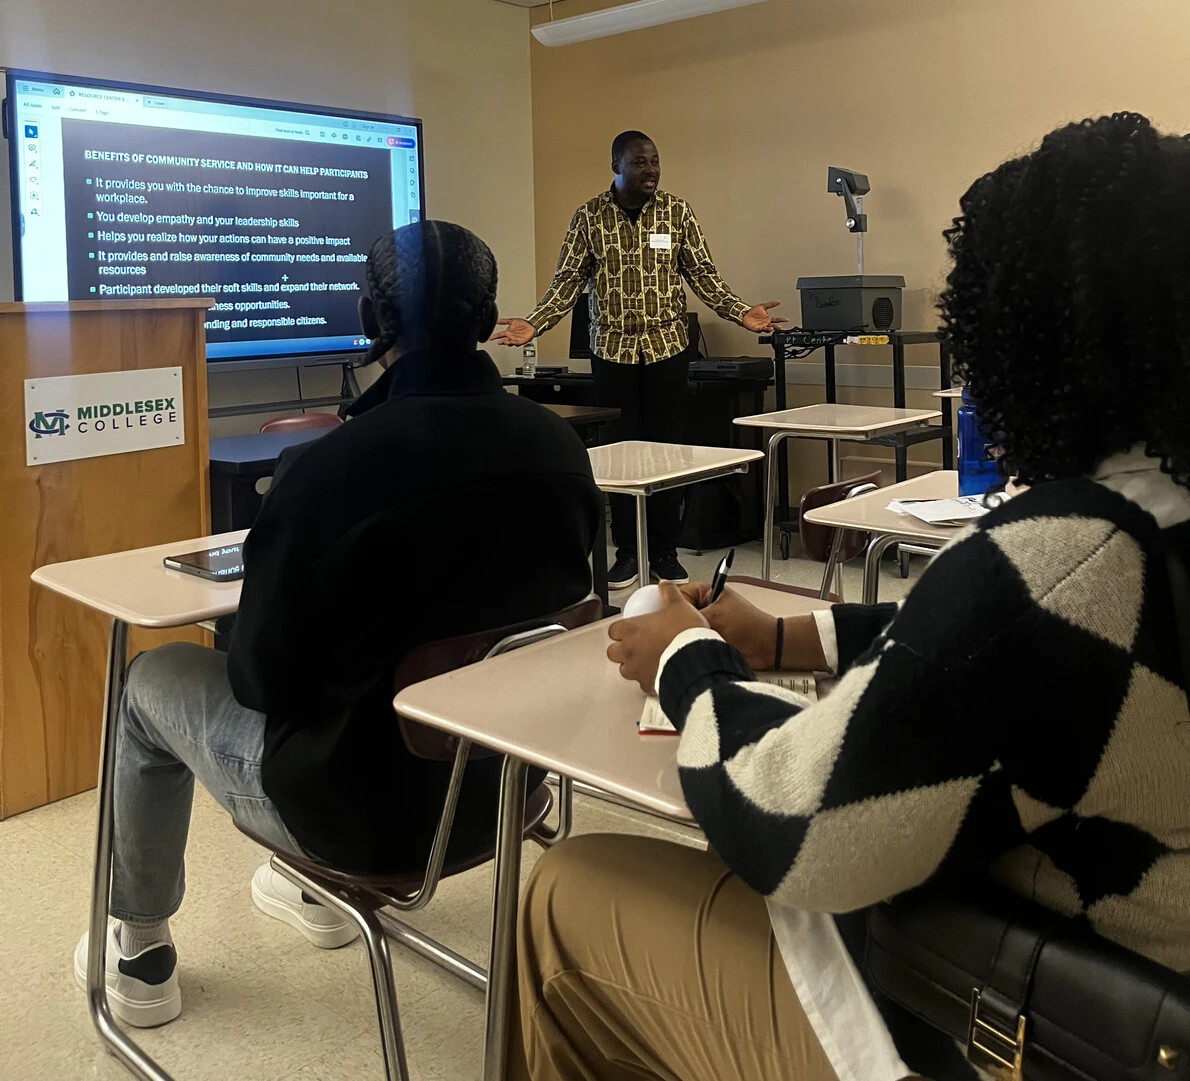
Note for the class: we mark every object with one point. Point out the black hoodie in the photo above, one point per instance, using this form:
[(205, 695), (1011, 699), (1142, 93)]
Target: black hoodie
[(445, 507)]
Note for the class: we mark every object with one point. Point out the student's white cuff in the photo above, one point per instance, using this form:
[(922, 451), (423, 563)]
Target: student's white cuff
[(693, 634), (825, 621)]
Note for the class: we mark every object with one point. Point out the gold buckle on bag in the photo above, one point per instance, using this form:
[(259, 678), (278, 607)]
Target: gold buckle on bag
[(1004, 1052)]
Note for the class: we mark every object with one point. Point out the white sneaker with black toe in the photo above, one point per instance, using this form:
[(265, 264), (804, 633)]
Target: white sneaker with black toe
[(142, 989), (276, 896)]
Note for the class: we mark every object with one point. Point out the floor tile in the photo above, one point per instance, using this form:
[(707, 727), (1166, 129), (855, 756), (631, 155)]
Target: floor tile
[(246, 1024), (443, 1042), (68, 822)]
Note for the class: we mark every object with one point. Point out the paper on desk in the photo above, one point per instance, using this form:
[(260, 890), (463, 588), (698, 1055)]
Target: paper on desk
[(654, 722), (941, 511)]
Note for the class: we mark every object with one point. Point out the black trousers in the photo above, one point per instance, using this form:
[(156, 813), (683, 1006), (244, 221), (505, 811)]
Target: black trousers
[(652, 403)]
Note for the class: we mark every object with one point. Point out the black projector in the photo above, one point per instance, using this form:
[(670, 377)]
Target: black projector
[(864, 303)]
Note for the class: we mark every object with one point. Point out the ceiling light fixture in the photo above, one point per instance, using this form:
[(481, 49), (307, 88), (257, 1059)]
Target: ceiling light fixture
[(626, 17)]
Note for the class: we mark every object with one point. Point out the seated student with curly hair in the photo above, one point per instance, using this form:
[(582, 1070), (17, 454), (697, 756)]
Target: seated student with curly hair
[(1023, 716), (366, 546)]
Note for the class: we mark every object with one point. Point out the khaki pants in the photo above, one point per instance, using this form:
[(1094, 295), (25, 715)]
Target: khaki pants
[(644, 959)]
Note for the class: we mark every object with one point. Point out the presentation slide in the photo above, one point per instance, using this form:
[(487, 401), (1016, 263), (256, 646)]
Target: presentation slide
[(272, 230), (269, 213)]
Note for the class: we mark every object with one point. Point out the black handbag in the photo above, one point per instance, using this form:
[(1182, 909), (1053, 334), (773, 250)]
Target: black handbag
[(1029, 993)]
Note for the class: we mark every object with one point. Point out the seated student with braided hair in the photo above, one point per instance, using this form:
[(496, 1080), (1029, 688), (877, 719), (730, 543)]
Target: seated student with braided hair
[(367, 545), (1021, 718)]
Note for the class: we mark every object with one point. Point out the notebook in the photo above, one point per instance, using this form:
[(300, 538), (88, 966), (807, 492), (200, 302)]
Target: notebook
[(654, 722)]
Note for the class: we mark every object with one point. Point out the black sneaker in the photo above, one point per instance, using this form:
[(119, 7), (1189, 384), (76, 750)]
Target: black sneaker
[(623, 572), (668, 569)]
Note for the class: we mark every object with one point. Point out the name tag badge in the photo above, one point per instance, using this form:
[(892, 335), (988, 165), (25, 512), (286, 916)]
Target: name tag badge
[(659, 240)]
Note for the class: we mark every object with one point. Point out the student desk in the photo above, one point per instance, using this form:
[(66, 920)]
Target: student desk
[(639, 468), (132, 589), (240, 462), (579, 722), (579, 685), (586, 420), (869, 513), (854, 423)]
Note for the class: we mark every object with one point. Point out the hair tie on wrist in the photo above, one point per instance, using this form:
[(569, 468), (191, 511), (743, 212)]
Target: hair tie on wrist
[(780, 643)]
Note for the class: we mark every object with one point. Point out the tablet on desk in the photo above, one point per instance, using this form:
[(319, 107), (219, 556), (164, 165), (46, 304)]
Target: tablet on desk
[(222, 564)]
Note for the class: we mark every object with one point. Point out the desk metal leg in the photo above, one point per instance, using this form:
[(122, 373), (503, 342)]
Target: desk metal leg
[(947, 410), (875, 553), (599, 557), (642, 537), (771, 473), (130, 1056), (501, 998), (901, 452), (834, 568)]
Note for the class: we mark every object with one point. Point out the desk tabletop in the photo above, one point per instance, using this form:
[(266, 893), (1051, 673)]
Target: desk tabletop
[(950, 392), (583, 414), (638, 464), (134, 586), (870, 511), (563, 706), (258, 450), (855, 421)]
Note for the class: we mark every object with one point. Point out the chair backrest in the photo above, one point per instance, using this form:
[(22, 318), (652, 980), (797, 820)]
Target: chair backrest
[(816, 539), (446, 654), (293, 422)]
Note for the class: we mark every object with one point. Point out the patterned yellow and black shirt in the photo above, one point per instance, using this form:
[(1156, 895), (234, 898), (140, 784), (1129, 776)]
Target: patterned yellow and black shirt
[(635, 271)]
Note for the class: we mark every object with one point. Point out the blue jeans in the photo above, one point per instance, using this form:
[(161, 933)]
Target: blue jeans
[(179, 720)]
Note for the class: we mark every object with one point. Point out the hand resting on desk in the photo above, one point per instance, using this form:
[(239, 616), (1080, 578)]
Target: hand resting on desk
[(637, 644), (754, 633)]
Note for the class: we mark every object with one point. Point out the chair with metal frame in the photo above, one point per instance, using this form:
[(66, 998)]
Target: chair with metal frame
[(834, 547), (363, 897)]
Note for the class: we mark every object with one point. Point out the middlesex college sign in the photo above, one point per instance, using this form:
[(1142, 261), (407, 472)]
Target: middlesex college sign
[(86, 416)]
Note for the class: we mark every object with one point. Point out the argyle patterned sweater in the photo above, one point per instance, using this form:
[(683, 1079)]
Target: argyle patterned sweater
[(1022, 715)]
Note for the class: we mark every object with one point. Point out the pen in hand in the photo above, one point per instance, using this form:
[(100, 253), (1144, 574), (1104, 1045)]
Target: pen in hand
[(719, 580)]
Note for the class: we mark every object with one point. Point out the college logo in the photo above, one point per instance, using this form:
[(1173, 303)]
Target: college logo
[(102, 413), (49, 423)]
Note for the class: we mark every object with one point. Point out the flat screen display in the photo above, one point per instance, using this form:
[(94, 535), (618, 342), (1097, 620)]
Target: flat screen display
[(123, 191)]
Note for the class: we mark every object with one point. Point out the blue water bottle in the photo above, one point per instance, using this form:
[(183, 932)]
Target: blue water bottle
[(978, 470)]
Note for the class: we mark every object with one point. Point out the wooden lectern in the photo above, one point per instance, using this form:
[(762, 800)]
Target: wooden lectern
[(53, 652)]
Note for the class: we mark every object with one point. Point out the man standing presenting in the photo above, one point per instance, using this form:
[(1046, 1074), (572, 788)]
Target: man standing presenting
[(633, 245)]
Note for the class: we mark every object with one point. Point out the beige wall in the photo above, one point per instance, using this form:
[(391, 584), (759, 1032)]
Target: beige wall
[(749, 107), (461, 65)]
